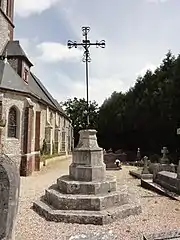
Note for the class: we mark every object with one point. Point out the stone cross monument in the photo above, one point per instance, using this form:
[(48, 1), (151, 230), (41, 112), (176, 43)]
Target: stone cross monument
[(145, 168), (86, 195), (138, 156), (164, 159)]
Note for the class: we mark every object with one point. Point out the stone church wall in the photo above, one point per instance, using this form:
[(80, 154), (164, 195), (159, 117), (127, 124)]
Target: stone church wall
[(13, 147), (3, 29)]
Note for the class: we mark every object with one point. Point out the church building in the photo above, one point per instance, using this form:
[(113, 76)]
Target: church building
[(32, 122)]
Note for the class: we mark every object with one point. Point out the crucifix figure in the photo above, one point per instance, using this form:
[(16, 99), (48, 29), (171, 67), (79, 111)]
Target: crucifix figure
[(86, 43)]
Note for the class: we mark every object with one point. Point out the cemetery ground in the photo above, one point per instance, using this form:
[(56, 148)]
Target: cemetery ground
[(159, 213)]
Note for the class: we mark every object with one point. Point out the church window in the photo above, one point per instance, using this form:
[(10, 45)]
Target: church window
[(12, 123), (25, 76), (7, 8)]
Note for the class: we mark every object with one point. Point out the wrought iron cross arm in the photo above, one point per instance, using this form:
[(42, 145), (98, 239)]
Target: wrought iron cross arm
[(71, 44), (101, 44), (86, 43)]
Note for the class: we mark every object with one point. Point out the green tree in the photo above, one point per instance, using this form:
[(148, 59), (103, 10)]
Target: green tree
[(148, 114), (76, 109)]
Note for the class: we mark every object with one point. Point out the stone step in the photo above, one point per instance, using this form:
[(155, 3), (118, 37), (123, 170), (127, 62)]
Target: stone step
[(69, 186), (149, 184), (85, 217), (84, 202)]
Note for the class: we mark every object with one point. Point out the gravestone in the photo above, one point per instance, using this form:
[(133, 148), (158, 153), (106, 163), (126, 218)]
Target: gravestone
[(138, 157), (87, 195), (145, 168), (9, 194), (142, 173), (173, 167), (164, 159)]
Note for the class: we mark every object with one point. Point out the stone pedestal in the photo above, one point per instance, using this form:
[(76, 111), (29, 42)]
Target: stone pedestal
[(86, 195)]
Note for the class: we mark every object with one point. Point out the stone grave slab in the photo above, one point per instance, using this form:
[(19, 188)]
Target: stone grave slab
[(171, 235), (169, 181), (150, 185), (138, 174), (97, 235)]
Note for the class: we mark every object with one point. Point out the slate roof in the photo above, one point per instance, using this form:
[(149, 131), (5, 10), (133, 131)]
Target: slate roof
[(14, 49), (10, 80)]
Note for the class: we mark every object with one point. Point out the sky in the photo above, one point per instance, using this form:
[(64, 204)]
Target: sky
[(138, 34)]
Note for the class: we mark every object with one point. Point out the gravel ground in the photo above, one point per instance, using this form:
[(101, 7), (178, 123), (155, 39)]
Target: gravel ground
[(159, 213)]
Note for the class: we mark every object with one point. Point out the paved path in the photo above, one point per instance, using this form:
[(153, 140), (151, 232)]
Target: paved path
[(159, 213)]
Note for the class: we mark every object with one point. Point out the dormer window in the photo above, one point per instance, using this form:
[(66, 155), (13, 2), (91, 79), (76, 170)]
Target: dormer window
[(25, 76)]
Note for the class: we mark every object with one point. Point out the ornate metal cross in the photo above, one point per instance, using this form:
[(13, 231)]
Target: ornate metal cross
[(86, 58)]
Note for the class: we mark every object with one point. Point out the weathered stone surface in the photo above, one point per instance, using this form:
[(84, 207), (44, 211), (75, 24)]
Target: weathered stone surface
[(86, 196), (86, 217), (9, 194), (145, 168), (164, 159), (97, 235), (139, 174), (149, 184), (164, 235), (87, 141), (154, 168), (168, 180), (84, 202), (87, 162), (87, 173), (69, 186)]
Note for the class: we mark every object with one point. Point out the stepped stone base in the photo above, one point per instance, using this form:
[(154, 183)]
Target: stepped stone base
[(86, 195), (97, 209), (138, 174), (84, 216), (81, 202), (69, 186)]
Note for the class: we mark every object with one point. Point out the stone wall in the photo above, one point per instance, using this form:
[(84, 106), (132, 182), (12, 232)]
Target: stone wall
[(13, 147), (4, 28)]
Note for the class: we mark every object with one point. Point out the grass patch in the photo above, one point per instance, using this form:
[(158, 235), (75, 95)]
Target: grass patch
[(48, 156)]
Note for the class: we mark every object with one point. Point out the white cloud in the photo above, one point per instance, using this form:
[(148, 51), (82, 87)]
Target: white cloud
[(143, 71), (25, 8), (52, 52), (157, 1), (133, 45), (99, 88)]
